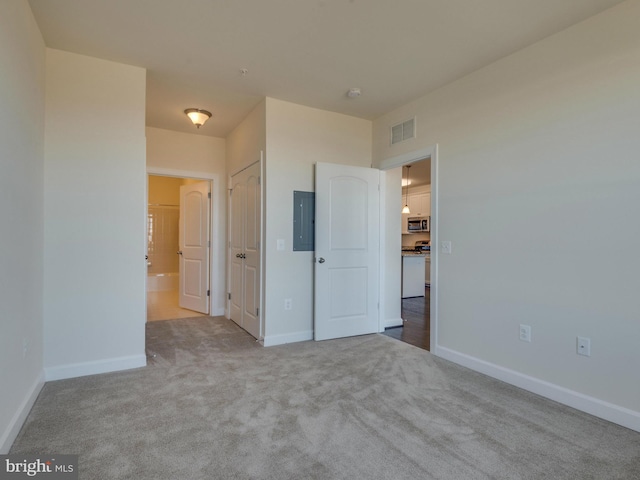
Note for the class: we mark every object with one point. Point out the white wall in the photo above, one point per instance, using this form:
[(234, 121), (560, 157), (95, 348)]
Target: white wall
[(539, 190), (22, 87), (94, 281), (297, 138), (247, 140), (183, 151), (197, 156)]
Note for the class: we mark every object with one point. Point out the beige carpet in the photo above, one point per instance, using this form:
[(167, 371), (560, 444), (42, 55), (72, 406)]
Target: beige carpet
[(212, 404)]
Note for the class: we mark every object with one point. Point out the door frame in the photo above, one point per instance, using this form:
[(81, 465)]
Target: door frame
[(214, 181), (398, 161)]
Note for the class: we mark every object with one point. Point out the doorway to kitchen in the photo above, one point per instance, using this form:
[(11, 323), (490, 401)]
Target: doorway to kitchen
[(415, 255)]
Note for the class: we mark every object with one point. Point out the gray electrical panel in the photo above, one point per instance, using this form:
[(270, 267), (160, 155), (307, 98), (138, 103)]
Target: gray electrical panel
[(304, 211)]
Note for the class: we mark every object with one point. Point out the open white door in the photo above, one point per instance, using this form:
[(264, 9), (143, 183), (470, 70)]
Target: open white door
[(347, 240), (194, 247)]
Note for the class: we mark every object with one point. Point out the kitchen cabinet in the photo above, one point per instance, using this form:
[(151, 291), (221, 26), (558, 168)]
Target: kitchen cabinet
[(419, 204)]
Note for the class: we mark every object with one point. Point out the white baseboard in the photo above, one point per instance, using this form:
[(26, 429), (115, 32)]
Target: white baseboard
[(218, 312), (593, 406), (12, 430), (91, 368), (393, 322), (272, 340)]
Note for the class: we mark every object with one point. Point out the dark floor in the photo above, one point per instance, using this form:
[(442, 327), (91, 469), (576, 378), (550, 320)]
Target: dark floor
[(416, 328)]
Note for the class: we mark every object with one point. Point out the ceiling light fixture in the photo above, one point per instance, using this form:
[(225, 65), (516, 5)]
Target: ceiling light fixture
[(354, 93), (405, 209), (197, 116)]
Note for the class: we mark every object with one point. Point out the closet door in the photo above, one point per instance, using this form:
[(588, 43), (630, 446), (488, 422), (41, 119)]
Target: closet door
[(244, 249)]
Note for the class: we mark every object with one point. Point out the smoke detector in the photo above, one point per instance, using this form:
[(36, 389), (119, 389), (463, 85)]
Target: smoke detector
[(354, 93)]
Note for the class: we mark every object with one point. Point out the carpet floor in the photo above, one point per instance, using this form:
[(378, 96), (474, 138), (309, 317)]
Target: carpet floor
[(213, 404)]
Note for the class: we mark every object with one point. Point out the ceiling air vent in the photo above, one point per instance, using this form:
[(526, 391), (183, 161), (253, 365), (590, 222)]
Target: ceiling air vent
[(403, 131)]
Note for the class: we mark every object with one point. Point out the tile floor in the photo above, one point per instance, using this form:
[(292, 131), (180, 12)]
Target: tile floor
[(164, 306)]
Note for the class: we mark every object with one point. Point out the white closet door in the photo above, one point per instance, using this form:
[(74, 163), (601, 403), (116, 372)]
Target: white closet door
[(244, 251)]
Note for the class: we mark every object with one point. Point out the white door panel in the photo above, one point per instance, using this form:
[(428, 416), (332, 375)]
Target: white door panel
[(347, 251), (244, 250), (194, 247)]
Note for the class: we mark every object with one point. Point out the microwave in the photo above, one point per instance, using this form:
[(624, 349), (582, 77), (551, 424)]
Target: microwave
[(418, 224)]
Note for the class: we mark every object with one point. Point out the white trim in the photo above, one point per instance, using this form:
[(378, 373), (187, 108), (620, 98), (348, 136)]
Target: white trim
[(272, 340), (434, 281), (409, 157), (218, 312), (593, 406), (73, 370), (12, 430), (393, 322), (172, 172)]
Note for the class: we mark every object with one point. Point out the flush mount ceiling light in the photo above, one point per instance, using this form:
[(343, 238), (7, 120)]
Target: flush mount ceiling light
[(405, 209), (354, 93), (197, 116)]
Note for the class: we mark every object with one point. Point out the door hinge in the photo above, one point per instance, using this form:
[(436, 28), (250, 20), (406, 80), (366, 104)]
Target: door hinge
[(257, 312), (209, 243), (229, 295), (209, 195), (208, 293)]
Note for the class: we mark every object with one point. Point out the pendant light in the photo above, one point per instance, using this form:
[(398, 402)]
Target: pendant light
[(405, 209)]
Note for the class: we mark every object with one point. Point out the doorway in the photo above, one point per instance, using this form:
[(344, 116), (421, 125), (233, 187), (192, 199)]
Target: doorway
[(165, 269), (417, 303)]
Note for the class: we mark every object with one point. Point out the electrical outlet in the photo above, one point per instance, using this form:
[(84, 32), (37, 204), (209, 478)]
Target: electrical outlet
[(583, 346), (288, 304), (445, 247), (525, 333)]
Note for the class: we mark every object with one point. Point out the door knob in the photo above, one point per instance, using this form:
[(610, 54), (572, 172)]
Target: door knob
[(179, 252), (321, 260), (238, 255)]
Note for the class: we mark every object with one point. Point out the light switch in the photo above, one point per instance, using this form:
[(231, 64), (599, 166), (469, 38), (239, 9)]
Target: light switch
[(445, 247)]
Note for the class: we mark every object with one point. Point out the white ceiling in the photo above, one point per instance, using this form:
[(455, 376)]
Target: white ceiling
[(303, 51)]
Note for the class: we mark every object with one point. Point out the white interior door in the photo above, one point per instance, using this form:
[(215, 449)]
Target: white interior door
[(244, 250), (347, 240), (194, 247)]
